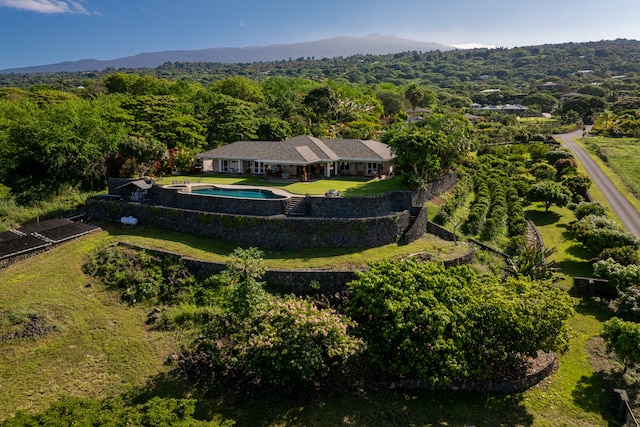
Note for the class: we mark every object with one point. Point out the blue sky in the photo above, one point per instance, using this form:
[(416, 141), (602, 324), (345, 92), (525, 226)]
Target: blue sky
[(38, 32)]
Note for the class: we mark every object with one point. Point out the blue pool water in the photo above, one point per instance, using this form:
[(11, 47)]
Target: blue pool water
[(249, 193)]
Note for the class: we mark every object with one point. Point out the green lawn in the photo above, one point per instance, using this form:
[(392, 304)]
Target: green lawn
[(623, 156), (335, 258), (574, 395), (348, 186), (100, 347)]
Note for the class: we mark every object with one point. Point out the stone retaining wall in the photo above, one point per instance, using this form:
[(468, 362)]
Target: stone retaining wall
[(418, 228), (592, 287), (441, 232), (297, 281), (356, 222), (264, 232)]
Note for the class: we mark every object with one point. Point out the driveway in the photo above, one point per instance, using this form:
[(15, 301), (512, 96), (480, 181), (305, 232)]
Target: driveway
[(627, 213)]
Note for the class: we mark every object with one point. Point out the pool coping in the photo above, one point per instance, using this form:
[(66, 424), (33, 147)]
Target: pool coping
[(188, 187)]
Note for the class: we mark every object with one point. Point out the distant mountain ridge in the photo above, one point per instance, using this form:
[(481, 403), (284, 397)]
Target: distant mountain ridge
[(374, 44)]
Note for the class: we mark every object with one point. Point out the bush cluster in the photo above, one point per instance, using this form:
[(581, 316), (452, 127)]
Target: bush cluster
[(478, 210), (516, 222), (496, 215), (619, 275), (291, 343), (456, 200), (144, 277), (597, 233), (421, 320), (584, 209)]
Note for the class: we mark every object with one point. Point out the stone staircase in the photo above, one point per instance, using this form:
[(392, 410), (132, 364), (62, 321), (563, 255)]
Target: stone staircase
[(298, 206)]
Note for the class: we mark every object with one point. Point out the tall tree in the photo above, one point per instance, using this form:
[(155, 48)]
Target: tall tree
[(226, 119), (431, 147), (415, 95), (45, 145)]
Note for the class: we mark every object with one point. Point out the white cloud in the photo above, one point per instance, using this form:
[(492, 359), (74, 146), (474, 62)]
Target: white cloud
[(46, 6)]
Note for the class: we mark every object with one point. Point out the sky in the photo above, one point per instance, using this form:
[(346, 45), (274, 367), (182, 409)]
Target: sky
[(40, 32)]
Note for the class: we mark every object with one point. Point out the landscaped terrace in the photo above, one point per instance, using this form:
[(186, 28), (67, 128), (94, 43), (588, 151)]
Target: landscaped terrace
[(348, 186)]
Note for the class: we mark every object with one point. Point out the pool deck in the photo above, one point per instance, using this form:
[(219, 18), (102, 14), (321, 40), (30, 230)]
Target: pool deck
[(188, 187)]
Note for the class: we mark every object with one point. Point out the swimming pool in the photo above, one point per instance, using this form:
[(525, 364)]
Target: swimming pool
[(244, 193)]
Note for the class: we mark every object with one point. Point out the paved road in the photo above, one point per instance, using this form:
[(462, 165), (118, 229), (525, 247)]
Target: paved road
[(626, 211)]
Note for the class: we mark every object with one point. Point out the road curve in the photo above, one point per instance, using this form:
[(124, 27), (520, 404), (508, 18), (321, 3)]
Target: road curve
[(627, 213)]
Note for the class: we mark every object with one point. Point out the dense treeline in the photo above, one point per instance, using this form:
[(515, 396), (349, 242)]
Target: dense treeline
[(527, 66), (72, 130)]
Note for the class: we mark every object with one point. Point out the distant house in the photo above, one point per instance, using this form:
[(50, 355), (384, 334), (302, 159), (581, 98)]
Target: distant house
[(418, 114), (506, 108), (569, 95), (302, 156)]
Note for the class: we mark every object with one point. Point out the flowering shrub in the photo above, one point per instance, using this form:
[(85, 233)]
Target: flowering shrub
[(618, 275), (289, 342)]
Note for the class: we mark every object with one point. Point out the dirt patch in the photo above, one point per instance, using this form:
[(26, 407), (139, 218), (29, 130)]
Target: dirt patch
[(599, 360), (35, 327), (438, 201)]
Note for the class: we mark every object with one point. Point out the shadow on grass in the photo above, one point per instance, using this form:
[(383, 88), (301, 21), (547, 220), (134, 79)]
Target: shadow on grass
[(382, 409), (597, 309), (541, 217), (343, 406), (576, 268), (594, 393)]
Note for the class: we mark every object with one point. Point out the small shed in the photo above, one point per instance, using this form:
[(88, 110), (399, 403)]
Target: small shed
[(135, 190)]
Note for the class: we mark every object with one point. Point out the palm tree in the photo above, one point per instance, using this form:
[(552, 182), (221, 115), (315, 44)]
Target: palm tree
[(415, 95)]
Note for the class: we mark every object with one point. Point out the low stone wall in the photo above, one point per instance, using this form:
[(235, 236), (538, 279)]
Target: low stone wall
[(507, 385), (592, 287), (229, 205), (297, 281), (264, 232), (441, 232)]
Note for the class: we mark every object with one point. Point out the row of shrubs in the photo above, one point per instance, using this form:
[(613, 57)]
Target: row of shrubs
[(478, 209), (456, 200), (617, 257)]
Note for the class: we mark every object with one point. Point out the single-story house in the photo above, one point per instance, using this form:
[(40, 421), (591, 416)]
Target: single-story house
[(302, 156)]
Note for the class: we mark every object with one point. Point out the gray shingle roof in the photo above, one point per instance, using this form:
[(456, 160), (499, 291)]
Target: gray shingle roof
[(302, 150)]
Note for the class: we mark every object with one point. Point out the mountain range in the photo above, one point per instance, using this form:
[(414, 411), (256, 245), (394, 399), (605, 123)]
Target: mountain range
[(374, 44)]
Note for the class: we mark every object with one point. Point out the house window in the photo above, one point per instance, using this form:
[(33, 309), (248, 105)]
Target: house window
[(344, 166), (224, 166), (372, 168)]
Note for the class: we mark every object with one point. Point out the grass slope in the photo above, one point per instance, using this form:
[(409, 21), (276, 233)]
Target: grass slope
[(100, 347), (104, 348), (623, 158), (574, 396)]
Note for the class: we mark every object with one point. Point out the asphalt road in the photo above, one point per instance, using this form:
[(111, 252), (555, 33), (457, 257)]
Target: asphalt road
[(627, 213)]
